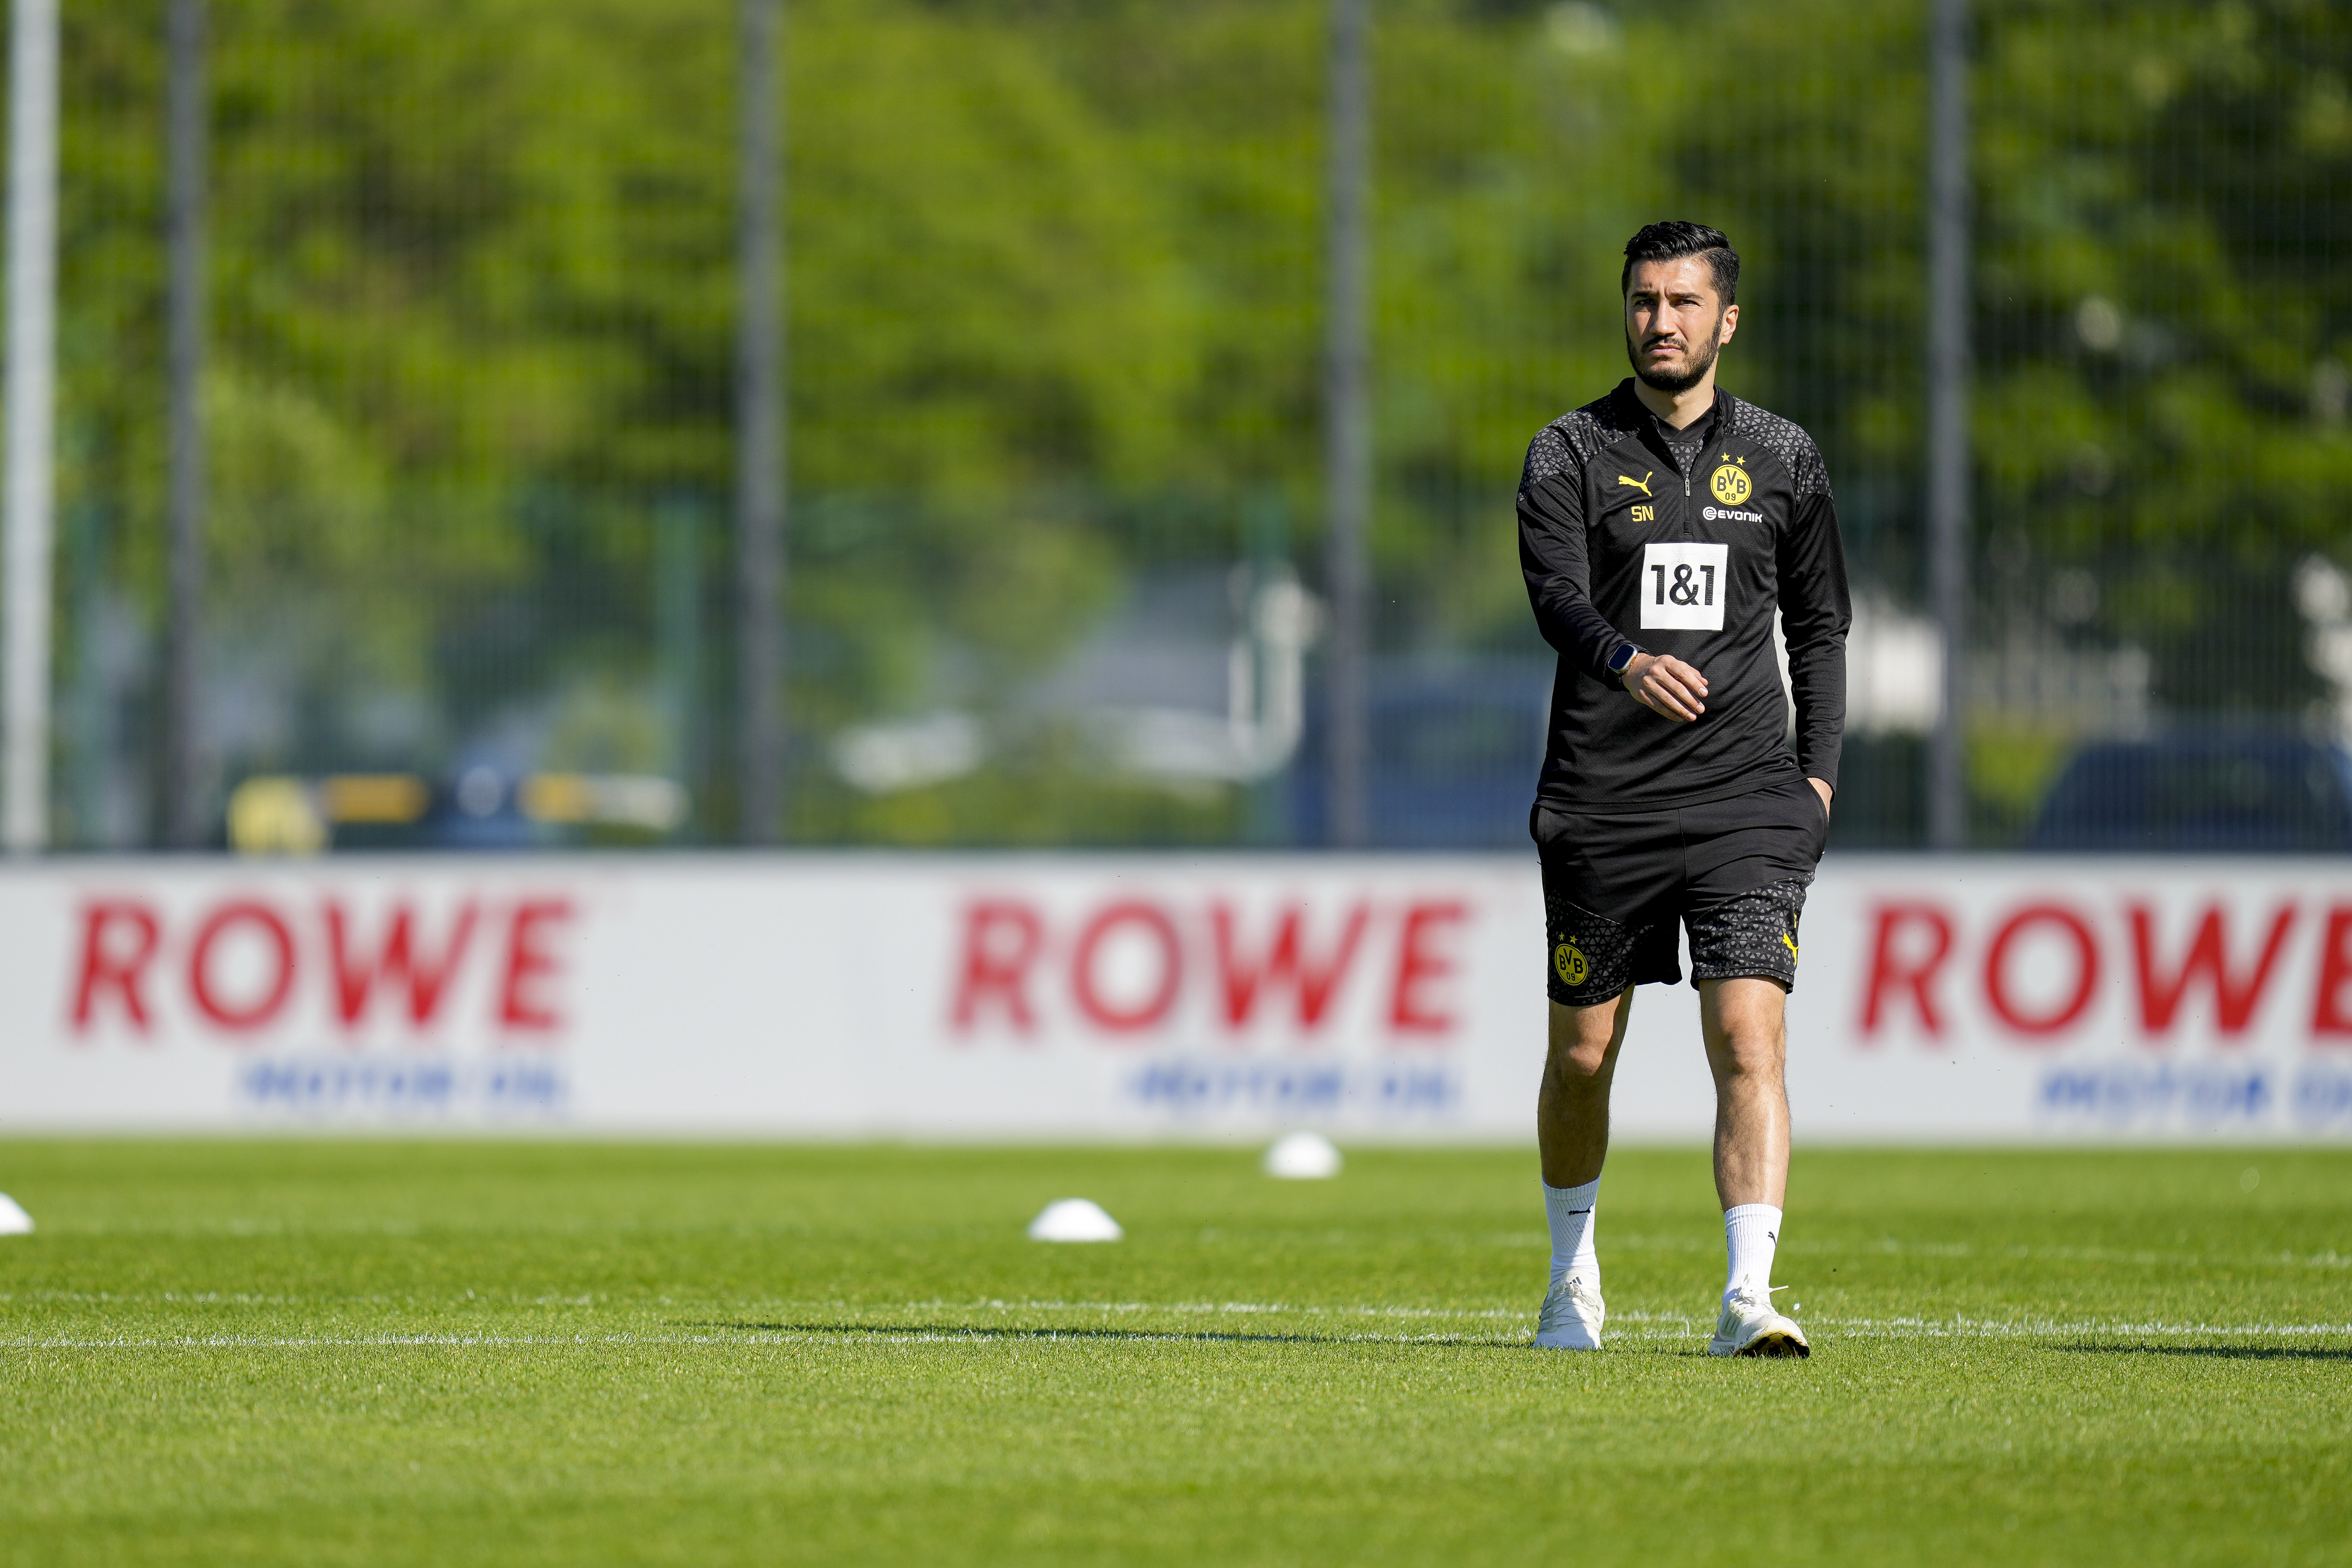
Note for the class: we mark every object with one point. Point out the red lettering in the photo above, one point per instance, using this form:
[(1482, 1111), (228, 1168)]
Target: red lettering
[(2234, 999), (1158, 1000), (402, 961), (1001, 941), (1418, 966), (2329, 1015), (1240, 984), (107, 967), (528, 962), (2087, 969), (265, 1003), (1912, 971)]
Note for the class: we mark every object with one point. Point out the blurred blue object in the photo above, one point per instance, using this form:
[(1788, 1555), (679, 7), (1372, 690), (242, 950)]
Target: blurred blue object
[(480, 808), (1456, 746), (483, 807), (2217, 792)]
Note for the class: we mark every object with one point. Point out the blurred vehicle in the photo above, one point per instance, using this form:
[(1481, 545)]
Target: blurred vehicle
[(2214, 794), (480, 808), (1456, 746)]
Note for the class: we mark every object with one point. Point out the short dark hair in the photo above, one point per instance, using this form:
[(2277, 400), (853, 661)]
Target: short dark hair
[(1673, 240)]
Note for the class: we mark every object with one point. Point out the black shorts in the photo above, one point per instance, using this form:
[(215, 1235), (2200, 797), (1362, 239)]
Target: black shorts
[(1616, 885)]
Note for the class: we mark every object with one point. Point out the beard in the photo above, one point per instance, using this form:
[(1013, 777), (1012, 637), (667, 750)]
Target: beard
[(1698, 362)]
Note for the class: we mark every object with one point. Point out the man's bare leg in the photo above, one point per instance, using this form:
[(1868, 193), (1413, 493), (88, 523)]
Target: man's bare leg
[(1744, 1023), (1572, 1108), (1572, 1132)]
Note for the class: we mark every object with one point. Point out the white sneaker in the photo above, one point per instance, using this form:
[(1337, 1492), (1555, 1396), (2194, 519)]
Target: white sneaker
[(1571, 1319), (1749, 1326)]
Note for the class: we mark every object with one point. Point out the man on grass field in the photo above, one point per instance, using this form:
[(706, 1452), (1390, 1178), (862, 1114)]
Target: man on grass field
[(1660, 529)]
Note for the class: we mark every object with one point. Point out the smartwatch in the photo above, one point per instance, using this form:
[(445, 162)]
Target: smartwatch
[(1619, 659)]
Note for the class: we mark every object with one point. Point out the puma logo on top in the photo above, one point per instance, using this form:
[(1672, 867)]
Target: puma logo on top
[(1642, 484)]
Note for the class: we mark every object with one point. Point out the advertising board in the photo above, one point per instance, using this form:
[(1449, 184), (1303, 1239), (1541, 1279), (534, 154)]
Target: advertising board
[(1133, 997)]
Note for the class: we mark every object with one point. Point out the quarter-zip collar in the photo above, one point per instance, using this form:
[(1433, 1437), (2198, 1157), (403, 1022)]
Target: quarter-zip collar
[(1682, 450)]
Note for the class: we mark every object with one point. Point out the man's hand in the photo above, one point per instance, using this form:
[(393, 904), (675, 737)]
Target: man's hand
[(1665, 685), (1824, 792)]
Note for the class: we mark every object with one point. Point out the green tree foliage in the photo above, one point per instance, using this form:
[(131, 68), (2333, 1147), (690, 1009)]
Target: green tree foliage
[(1056, 317), (2161, 290)]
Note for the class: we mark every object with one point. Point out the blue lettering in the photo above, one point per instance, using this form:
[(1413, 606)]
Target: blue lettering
[(2128, 1093), (323, 1086), (1292, 1089), (2323, 1095)]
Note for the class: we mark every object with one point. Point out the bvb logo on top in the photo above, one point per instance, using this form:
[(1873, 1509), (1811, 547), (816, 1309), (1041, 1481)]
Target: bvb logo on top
[(1730, 485)]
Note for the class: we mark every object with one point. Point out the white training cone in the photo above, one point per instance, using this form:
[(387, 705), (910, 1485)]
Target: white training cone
[(1303, 1157), (1074, 1219), (13, 1220)]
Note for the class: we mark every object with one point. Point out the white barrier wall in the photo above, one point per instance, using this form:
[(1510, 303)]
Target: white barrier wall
[(1135, 996)]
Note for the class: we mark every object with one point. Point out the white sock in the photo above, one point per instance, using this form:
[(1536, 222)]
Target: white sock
[(1751, 1232), (1570, 1210)]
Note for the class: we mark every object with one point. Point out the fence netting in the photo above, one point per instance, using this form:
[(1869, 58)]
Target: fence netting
[(1054, 283)]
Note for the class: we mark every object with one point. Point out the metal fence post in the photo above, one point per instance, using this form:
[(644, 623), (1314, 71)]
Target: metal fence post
[(677, 636), (1346, 435), (760, 497), (1949, 470), (188, 114), (31, 420)]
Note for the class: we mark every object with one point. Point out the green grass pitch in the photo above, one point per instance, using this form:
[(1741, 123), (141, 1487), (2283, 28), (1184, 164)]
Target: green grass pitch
[(458, 1353)]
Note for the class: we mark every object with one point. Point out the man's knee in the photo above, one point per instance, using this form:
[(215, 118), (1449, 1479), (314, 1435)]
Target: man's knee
[(1746, 1028), (1758, 1053), (1584, 1039)]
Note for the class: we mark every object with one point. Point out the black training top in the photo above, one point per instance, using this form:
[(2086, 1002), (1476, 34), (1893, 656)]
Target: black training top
[(1624, 540)]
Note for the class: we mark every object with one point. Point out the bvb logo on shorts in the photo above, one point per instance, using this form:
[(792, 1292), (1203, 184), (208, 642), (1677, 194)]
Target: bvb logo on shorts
[(1730, 485), (1568, 959)]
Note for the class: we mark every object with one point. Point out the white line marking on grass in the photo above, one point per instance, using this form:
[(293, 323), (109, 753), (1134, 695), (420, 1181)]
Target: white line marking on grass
[(1646, 1326), (327, 1342), (1970, 1325), (1200, 1308), (2042, 1328), (747, 1337)]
